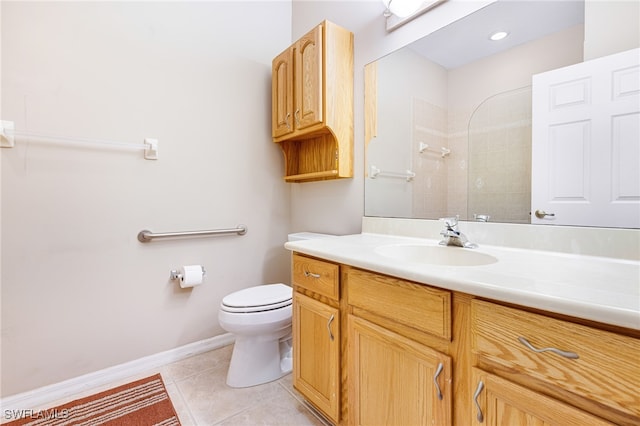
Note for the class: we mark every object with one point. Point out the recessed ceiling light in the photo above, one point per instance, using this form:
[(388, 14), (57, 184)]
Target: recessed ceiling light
[(498, 35)]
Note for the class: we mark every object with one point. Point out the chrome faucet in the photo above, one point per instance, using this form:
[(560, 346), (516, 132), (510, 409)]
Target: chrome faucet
[(452, 236)]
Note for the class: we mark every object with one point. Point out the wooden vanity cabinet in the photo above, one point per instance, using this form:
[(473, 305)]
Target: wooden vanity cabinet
[(394, 380), (394, 376), (398, 346), (500, 402), (312, 105), (587, 369), (316, 334)]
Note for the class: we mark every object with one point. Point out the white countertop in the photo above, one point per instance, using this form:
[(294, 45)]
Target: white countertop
[(601, 289)]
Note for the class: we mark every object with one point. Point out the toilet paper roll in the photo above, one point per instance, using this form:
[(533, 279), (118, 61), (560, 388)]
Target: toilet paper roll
[(191, 275)]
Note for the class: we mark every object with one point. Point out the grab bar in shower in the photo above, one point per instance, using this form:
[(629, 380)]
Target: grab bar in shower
[(145, 236)]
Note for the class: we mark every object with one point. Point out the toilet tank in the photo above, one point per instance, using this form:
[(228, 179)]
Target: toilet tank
[(298, 236)]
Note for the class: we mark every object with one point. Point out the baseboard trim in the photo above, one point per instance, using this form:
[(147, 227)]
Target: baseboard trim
[(46, 394)]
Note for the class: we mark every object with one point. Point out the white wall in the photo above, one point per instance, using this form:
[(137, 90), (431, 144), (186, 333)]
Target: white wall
[(79, 292), (338, 206)]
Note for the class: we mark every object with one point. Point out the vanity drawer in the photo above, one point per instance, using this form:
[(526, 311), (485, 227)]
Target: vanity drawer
[(414, 305), (606, 371), (317, 276)]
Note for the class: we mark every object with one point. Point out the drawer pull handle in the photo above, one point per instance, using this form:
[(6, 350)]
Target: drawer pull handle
[(565, 354), (311, 274), (329, 327), (435, 380), (286, 121), (479, 416)]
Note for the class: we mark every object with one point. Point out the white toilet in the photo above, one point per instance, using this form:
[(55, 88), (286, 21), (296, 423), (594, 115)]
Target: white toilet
[(260, 319)]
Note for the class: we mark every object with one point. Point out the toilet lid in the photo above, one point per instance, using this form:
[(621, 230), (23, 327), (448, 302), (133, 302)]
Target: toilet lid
[(258, 298)]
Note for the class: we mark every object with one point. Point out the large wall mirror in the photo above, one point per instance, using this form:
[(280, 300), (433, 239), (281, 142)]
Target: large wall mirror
[(449, 118)]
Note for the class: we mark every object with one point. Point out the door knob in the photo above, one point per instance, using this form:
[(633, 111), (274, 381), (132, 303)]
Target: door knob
[(541, 214)]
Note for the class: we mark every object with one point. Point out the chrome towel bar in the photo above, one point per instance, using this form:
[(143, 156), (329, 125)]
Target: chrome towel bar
[(145, 236)]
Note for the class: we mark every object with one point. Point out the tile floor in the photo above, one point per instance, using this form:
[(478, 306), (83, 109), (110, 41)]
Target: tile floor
[(201, 397)]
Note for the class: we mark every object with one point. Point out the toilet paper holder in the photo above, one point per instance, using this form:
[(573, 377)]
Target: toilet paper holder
[(176, 275)]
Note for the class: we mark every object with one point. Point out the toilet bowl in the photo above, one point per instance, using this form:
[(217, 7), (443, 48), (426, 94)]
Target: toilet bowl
[(260, 319)]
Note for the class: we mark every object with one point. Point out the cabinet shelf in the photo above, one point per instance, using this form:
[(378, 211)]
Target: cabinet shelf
[(307, 177), (311, 159)]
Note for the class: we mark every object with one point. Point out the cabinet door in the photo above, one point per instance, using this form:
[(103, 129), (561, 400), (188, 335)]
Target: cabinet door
[(316, 360), (500, 402), (309, 79), (282, 69), (394, 380)]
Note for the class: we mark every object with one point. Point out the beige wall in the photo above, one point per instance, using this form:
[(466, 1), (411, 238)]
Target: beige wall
[(79, 292), (611, 26)]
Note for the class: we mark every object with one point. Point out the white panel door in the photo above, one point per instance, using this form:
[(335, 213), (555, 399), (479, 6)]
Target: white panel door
[(586, 143)]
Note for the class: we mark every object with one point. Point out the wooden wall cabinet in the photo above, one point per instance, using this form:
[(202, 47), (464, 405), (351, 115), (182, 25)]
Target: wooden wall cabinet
[(312, 105)]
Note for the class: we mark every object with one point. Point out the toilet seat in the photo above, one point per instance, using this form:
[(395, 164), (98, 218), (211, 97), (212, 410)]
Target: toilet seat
[(258, 299)]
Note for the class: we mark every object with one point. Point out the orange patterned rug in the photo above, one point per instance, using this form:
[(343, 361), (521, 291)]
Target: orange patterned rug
[(143, 402)]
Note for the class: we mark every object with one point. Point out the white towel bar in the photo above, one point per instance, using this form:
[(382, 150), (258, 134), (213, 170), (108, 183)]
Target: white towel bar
[(8, 137), (375, 172)]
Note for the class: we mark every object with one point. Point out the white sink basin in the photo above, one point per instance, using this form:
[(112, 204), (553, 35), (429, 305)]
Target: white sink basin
[(436, 255)]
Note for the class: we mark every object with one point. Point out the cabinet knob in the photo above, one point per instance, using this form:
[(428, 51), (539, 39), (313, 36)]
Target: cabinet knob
[(286, 121)]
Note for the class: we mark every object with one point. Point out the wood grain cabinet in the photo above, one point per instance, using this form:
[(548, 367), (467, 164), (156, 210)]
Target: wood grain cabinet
[(392, 378), (590, 369), (297, 85), (312, 104), (500, 402), (371, 349), (317, 334)]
